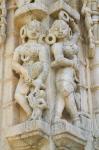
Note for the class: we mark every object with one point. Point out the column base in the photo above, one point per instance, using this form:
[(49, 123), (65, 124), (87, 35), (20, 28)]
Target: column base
[(67, 136), (28, 135)]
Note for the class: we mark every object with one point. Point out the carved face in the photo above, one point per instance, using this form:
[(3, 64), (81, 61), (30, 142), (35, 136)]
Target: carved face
[(34, 30), (60, 29), (31, 31)]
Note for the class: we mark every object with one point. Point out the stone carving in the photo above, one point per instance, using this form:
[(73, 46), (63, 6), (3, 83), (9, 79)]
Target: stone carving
[(38, 104), (24, 2), (86, 12), (2, 21), (30, 61), (64, 50)]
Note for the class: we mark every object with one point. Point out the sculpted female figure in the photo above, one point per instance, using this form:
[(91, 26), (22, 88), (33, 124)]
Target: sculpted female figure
[(30, 61), (65, 64)]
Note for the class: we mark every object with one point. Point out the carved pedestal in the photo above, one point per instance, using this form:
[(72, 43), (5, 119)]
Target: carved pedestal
[(68, 137), (28, 135)]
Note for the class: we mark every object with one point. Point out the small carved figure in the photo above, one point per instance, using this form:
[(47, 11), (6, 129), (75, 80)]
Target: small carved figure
[(65, 54), (86, 11), (30, 61), (38, 104)]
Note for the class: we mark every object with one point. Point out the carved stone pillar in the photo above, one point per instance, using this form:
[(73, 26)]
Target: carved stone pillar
[(8, 104), (94, 71)]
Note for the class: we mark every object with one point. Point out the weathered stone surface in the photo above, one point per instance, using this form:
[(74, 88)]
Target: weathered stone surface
[(67, 135), (28, 135), (49, 75)]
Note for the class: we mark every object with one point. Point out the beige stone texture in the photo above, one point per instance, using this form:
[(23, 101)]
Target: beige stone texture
[(49, 74)]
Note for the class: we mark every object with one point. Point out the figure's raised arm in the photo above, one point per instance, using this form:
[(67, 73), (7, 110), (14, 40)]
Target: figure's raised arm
[(75, 30)]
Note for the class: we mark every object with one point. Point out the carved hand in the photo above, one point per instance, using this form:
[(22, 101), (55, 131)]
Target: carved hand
[(26, 76), (64, 62)]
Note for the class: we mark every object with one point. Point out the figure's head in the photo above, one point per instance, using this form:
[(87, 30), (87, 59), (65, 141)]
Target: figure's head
[(60, 29), (31, 31)]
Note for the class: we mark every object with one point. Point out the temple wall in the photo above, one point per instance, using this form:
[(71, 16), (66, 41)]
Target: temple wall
[(49, 76)]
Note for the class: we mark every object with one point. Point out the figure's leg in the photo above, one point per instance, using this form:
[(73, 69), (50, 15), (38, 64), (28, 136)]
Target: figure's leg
[(20, 96), (59, 107), (91, 41), (71, 106), (33, 116), (36, 114), (21, 100)]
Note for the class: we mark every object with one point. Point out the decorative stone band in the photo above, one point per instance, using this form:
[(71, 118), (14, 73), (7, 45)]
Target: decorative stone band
[(12, 7), (95, 88), (8, 104), (30, 11), (94, 66)]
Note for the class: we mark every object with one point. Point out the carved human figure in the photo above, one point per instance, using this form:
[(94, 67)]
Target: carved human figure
[(86, 11), (30, 61), (65, 64), (38, 104)]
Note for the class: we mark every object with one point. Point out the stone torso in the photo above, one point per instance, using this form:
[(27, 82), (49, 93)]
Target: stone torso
[(29, 56)]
